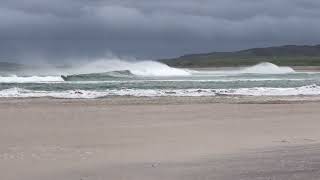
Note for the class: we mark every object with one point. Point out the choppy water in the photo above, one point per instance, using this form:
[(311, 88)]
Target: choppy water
[(155, 79)]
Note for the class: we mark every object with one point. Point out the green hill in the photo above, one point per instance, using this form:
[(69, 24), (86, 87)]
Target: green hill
[(290, 55)]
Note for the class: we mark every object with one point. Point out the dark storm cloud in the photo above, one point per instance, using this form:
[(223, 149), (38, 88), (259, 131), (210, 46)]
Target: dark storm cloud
[(75, 29)]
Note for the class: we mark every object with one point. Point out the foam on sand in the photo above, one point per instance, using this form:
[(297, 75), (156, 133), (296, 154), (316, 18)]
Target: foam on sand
[(89, 94)]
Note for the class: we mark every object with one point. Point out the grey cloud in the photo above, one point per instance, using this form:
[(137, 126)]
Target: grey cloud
[(66, 29)]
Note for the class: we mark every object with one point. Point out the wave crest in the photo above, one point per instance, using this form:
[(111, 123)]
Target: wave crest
[(138, 68), (30, 79), (267, 68), (99, 76)]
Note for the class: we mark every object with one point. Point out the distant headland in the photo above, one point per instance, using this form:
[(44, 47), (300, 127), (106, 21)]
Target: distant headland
[(289, 55)]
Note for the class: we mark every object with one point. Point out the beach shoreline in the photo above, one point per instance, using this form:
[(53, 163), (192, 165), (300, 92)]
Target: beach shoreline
[(165, 100)]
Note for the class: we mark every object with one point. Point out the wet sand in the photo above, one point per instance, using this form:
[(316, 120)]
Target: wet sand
[(159, 138)]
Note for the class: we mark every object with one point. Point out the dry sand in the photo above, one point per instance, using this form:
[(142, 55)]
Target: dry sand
[(159, 138)]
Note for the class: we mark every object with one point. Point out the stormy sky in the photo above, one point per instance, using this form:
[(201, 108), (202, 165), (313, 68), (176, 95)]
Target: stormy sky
[(57, 30)]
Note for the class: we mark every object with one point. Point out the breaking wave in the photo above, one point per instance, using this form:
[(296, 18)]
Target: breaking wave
[(138, 68), (105, 70), (113, 75), (112, 69), (90, 94), (267, 68), (156, 69), (261, 68), (30, 79)]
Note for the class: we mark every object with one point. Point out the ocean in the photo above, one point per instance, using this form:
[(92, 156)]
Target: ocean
[(152, 79)]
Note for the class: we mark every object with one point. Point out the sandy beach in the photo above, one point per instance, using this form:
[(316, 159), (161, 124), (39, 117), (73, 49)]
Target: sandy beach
[(159, 138)]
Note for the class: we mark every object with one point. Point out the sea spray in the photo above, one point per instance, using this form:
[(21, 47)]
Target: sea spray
[(139, 68), (267, 68), (261, 68), (29, 79)]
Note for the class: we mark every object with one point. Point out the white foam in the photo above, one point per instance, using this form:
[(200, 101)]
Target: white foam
[(267, 68), (139, 68), (86, 94), (261, 91), (261, 68), (71, 94), (30, 79)]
